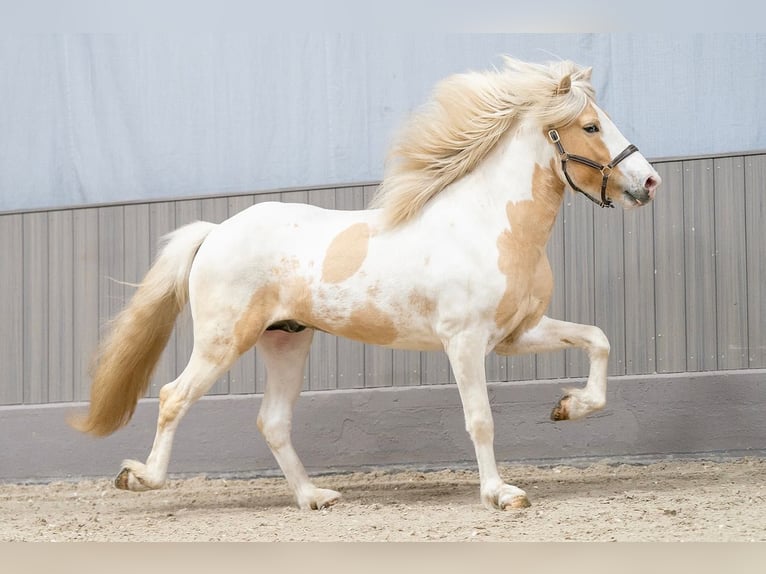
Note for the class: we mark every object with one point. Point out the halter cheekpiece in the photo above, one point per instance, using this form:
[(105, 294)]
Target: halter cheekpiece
[(606, 170)]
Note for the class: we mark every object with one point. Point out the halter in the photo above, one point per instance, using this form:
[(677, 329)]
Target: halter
[(606, 170)]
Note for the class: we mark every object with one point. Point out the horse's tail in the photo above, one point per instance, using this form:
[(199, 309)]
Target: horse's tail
[(127, 356)]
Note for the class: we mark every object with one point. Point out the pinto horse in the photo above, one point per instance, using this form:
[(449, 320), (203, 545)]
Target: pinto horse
[(452, 256)]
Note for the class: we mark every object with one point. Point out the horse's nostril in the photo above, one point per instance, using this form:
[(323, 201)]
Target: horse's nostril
[(651, 184)]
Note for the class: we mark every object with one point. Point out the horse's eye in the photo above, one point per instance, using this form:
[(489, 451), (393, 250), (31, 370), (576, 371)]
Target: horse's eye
[(591, 128)]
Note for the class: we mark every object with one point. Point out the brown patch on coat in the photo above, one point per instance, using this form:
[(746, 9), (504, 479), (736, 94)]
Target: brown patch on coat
[(285, 289), (294, 300), (253, 321), (170, 406), (421, 304), (346, 253), (368, 324), (521, 253)]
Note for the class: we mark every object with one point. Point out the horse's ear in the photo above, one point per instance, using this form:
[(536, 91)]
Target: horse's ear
[(565, 84), (585, 74)]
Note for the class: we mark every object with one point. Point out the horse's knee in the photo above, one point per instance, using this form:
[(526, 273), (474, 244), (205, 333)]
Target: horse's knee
[(598, 343)]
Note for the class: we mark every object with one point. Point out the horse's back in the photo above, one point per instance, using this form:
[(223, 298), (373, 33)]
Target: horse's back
[(273, 238), (298, 216), (272, 229)]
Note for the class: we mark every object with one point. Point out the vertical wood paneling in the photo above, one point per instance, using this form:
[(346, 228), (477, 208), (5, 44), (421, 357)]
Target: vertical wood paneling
[(435, 369), (138, 248), (351, 365), (162, 220), (522, 368), (670, 278), (578, 273), (35, 307), (699, 245), (378, 366), (405, 367), (240, 203), (755, 224), (690, 269), (242, 373), (731, 263), (60, 305), (323, 362), (111, 263), (640, 351), (86, 280), (215, 209), (609, 265), (12, 306), (291, 197), (496, 367)]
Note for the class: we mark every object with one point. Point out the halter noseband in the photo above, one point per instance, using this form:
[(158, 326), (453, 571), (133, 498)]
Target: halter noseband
[(606, 170)]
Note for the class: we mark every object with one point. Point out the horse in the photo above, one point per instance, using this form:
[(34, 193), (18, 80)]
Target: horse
[(450, 255)]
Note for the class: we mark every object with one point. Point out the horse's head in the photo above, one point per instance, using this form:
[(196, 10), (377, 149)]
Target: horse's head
[(597, 160)]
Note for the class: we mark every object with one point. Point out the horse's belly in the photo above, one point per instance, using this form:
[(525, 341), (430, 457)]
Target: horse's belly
[(371, 321)]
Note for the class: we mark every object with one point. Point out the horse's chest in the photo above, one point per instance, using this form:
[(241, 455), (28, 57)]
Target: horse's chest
[(526, 295)]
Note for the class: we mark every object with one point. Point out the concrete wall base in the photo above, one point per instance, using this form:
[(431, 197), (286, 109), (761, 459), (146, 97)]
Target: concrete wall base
[(646, 416)]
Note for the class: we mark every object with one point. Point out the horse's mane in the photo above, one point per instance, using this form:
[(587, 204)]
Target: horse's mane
[(466, 117)]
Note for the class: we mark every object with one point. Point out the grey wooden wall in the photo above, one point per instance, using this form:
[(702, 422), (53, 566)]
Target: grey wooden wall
[(678, 287)]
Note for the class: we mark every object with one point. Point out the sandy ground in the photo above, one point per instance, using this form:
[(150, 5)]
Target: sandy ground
[(665, 501)]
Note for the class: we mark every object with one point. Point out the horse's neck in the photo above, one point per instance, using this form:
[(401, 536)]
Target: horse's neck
[(516, 186)]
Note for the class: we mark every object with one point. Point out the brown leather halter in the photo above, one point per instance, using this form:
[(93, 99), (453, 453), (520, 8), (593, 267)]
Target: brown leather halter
[(606, 170)]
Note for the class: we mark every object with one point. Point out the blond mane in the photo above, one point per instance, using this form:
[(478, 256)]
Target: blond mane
[(466, 117)]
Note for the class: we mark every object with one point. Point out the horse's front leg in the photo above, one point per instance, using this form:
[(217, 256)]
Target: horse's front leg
[(552, 335), (466, 354)]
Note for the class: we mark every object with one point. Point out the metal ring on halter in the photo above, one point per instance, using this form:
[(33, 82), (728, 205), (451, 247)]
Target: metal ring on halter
[(606, 170)]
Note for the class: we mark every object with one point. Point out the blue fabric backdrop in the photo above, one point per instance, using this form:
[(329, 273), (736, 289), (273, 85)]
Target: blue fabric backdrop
[(105, 118)]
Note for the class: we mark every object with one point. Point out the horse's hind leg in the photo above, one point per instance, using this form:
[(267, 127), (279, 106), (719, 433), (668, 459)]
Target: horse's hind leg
[(551, 335), (175, 400), (285, 357)]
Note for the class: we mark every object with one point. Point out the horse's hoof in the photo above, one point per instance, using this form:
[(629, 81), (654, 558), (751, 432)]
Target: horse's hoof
[(121, 481), (520, 501), (561, 411), (325, 504), (130, 480), (320, 498)]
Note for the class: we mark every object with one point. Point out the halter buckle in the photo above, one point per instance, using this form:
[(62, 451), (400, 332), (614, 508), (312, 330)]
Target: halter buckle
[(553, 135)]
